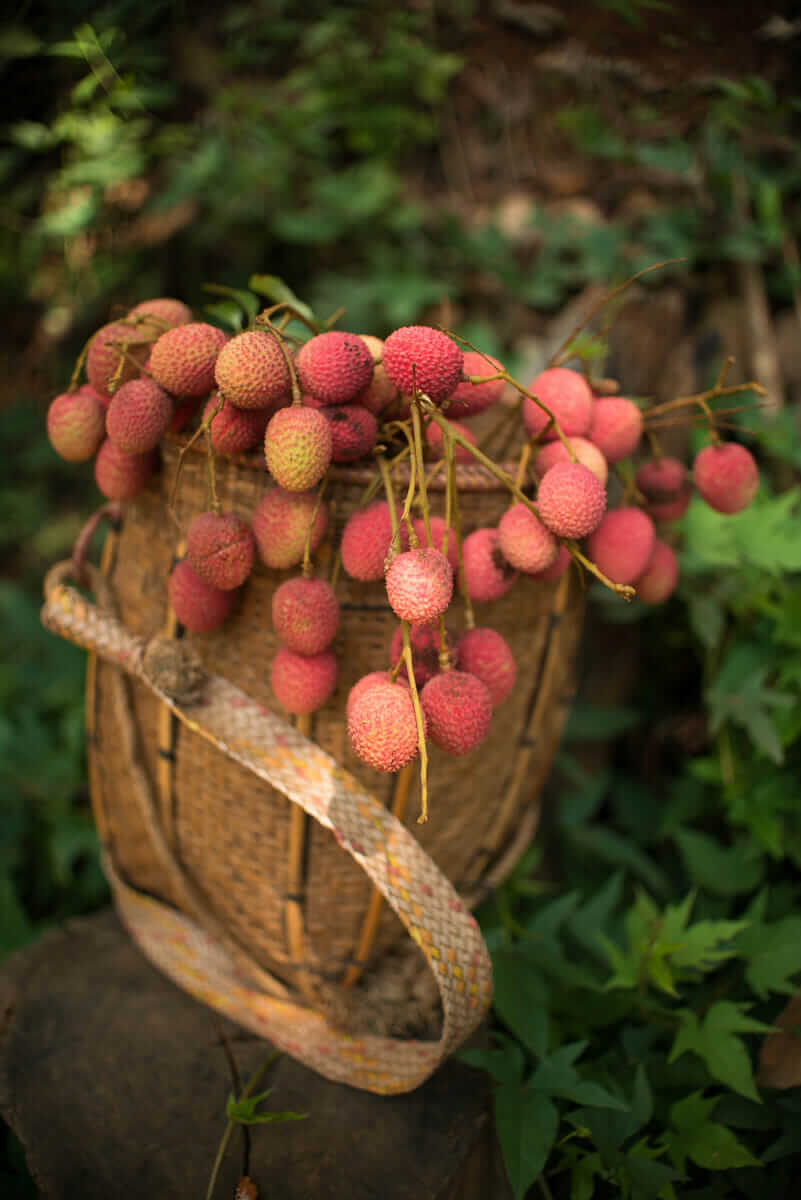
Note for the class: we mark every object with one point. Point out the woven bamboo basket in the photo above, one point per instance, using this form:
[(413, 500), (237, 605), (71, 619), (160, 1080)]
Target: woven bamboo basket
[(225, 859)]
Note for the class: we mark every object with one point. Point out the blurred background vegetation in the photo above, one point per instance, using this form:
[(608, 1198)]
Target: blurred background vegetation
[(485, 164)]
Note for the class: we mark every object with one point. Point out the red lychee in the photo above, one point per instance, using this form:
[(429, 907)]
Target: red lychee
[(437, 526), (488, 575), (622, 544), (364, 684), (122, 476), (419, 585), (435, 438), (305, 614), (183, 413), (297, 447), (335, 366), (586, 453), (726, 476), (365, 541), (616, 427), (198, 605), (417, 354), (468, 399), (221, 549), (484, 653), (183, 358), (117, 352), (557, 568), (664, 483), (251, 370), (567, 394), (354, 431), (381, 391), (138, 416), (660, 577), (76, 424), (525, 541), (166, 314), (303, 683), (382, 726), (281, 523), (235, 430), (458, 707), (425, 645), (571, 500)]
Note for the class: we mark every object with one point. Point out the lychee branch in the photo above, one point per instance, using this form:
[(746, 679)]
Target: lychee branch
[(623, 589), (418, 716), (452, 498), (216, 507), (204, 428), (417, 429), (306, 567)]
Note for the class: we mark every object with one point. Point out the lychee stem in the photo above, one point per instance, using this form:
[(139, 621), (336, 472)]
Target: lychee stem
[(653, 442), (80, 360), (631, 493), (265, 316), (417, 429), (418, 716), (452, 500), (203, 428), (306, 567), (331, 321), (522, 465), (444, 653), (216, 507), (623, 589)]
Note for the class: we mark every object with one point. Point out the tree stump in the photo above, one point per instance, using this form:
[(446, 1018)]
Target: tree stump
[(115, 1082)]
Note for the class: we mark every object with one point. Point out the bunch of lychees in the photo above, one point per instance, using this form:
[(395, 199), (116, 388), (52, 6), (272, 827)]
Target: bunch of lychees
[(406, 402)]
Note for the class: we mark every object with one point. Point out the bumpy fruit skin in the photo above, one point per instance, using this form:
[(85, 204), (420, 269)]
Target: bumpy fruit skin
[(138, 416), (235, 430), (365, 542), (458, 707), (281, 523), (297, 447), (251, 370), (571, 500), (305, 614), (660, 577), (122, 476), (381, 391), (198, 605), (488, 575), (419, 585), (182, 360), (485, 654), (435, 438), (616, 427), (183, 413), (76, 424), (303, 683), (525, 542), (567, 394), (469, 399), (335, 366), (221, 549), (105, 355), (557, 568), (437, 526), (586, 453), (425, 356), (425, 652), (167, 313), (726, 477), (382, 726), (664, 483), (354, 431), (622, 544), (364, 684)]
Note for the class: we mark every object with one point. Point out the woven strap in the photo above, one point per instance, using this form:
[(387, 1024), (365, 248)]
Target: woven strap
[(413, 885)]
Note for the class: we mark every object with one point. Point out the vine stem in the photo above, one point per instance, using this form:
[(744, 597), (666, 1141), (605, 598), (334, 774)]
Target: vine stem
[(204, 428), (417, 431), (452, 509), (216, 507), (418, 716), (623, 589), (306, 568), (229, 1128)]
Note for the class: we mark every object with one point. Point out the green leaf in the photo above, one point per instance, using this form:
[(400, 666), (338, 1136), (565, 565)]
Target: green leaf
[(721, 870), (521, 998), (773, 951), (243, 1111), (226, 312), (504, 1063), (714, 1040), (707, 1143), (527, 1123), (706, 619), (590, 723), (246, 300), (279, 292)]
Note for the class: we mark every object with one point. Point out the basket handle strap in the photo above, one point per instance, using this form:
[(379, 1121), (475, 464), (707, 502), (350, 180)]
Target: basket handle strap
[(276, 752)]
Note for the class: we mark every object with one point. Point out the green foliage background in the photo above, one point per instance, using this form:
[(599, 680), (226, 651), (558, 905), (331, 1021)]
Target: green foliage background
[(646, 943)]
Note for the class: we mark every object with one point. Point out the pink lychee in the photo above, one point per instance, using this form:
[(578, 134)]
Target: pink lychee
[(165, 313), (365, 541), (76, 424), (525, 541), (425, 645), (116, 354), (381, 391), (183, 358), (221, 549), (437, 526), (469, 399), (198, 605), (281, 523), (616, 427), (586, 453), (417, 355), (354, 431), (138, 416), (622, 544), (335, 366), (419, 585), (303, 683), (484, 653), (660, 577), (235, 430), (726, 476), (305, 614), (435, 438), (458, 707), (251, 370), (382, 726), (297, 447), (571, 500), (568, 396), (364, 684), (488, 575), (557, 568), (122, 476)]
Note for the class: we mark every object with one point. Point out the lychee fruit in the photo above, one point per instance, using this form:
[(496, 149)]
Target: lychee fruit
[(525, 541), (305, 614), (381, 391), (419, 585), (183, 413), (365, 683), (251, 370), (281, 523), (484, 653), (138, 416), (417, 355), (167, 313), (382, 727), (425, 643), (660, 577), (571, 500), (437, 526), (183, 358), (335, 366), (76, 424), (435, 438), (488, 575), (198, 605), (726, 476), (354, 431), (303, 683), (117, 352), (616, 427), (235, 430), (622, 544), (568, 396), (297, 447), (221, 548), (365, 541), (586, 453), (557, 568), (122, 476), (458, 708), (664, 483), (87, 389), (468, 399)]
